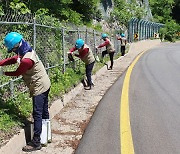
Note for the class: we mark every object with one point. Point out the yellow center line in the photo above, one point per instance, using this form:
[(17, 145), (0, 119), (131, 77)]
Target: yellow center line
[(127, 146)]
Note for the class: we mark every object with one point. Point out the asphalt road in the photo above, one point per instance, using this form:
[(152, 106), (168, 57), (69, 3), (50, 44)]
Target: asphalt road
[(154, 95), (155, 101), (102, 134)]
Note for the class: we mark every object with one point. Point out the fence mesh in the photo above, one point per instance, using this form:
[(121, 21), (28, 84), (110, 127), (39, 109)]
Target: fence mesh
[(50, 42)]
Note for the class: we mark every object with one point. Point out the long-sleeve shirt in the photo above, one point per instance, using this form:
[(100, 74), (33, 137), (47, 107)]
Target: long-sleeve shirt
[(25, 65), (123, 41), (104, 44), (82, 52), (109, 46), (85, 54)]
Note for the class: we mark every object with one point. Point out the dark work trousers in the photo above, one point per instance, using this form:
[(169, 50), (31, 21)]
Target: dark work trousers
[(89, 68), (122, 50), (111, 56), (40, 111)]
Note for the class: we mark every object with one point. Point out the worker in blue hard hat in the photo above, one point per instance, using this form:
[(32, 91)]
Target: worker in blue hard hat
[(36, 79), (109, 49), (86, 55), (123, 43)]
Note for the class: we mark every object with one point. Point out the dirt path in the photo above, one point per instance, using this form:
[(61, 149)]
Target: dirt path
[(69, 122)]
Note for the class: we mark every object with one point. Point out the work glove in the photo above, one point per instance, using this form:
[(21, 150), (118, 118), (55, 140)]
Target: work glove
[(97, 58), (70, 57)]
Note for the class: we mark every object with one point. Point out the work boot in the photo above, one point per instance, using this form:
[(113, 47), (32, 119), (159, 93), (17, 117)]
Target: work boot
[(110, 68), (33, 145), (89, 87), (83, 82)]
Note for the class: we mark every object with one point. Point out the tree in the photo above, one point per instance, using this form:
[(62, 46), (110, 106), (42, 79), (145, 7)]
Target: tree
[(61, 9), (88, 8), (161, 10), (176, 11), (124, 11)]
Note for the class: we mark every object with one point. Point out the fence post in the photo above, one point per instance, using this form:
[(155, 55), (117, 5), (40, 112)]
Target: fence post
[(63, 48), (11, 86), (86, 36), (34, 34), (94, 38), (47, 68), (78, 33)]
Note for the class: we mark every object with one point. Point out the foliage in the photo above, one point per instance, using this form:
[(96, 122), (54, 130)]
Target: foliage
[(98, 15), (16, 5), (169, 31), (176, 11), (72, 11), (61, 83), (14, 111), (97, 27), (161, 10), (87, 8), (19, 6), (1, 10), (59, 9), (124, 11), (164, 10)]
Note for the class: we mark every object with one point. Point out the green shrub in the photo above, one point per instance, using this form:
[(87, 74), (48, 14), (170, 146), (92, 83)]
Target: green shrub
[(169, 31)]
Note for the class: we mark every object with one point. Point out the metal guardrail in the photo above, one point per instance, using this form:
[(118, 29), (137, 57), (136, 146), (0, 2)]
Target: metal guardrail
[(140, 29)]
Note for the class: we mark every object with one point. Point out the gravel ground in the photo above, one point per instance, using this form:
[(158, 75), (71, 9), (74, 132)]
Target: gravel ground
[(69, 122)]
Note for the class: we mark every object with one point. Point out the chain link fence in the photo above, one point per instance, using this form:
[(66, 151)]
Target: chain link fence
[(50, 42)]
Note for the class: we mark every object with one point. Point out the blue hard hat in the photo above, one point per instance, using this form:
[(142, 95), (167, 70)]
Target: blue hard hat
[(104, 36), (122, 35), (12, 39), (79, 43)]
